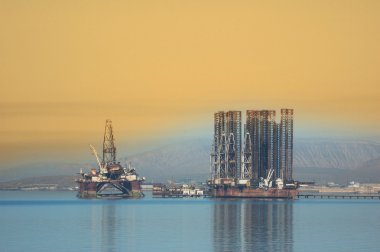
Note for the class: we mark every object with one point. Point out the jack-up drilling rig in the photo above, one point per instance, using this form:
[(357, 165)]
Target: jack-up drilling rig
[(263, 168)]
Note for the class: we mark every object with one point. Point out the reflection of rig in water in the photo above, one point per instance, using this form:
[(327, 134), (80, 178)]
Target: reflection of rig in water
[(248, 225), (110, 179)]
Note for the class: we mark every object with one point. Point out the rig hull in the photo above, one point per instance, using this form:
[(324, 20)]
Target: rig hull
[(259, 193), (125, 189)]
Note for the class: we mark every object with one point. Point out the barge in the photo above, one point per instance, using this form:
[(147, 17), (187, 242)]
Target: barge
[(249, 188), (249, 192)]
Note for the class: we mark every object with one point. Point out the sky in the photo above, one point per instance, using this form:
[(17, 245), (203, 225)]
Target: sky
[(160, 69)]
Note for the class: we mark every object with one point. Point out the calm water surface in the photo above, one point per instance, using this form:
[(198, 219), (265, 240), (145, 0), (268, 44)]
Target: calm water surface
[(58, 221)]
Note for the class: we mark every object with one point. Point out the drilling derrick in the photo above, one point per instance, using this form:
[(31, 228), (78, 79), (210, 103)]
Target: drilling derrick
[(109, 149), (247, 158), (233, 126), (231, 162), (222, 169)]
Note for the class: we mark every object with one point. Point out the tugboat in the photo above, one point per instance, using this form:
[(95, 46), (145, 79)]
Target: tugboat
[(110, 179)]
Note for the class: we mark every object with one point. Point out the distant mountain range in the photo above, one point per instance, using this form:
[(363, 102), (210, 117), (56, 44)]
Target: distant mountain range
[(340, 154), (321, 160), (62, 182), (185, 160)]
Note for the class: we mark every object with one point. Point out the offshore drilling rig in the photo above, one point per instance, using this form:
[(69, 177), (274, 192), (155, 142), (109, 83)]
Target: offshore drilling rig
[(110, 178), (263, 168)]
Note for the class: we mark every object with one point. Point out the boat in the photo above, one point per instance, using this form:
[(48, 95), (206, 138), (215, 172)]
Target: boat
[(110, 178)]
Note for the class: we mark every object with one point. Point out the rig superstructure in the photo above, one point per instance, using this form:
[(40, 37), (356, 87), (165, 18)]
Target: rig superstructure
[(110, 179), (263, 167)]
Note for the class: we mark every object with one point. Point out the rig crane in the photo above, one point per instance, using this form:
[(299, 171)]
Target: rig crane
[(102, 168), (267, 181)]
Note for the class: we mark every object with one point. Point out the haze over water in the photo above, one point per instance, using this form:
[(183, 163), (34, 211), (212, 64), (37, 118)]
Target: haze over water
[(57, 221), (159, 70)]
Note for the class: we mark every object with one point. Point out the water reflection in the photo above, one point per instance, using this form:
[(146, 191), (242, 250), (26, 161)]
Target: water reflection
[(108, 227), (253, 226)]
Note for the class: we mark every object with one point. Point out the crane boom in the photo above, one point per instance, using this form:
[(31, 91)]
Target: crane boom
[(270, 173), (267, 181), (96, 155)]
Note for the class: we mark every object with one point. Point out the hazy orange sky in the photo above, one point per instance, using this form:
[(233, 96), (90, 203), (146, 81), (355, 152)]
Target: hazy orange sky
[(163, 67)]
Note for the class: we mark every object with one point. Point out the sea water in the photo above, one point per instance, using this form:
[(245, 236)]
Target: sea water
[(58, 221)]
